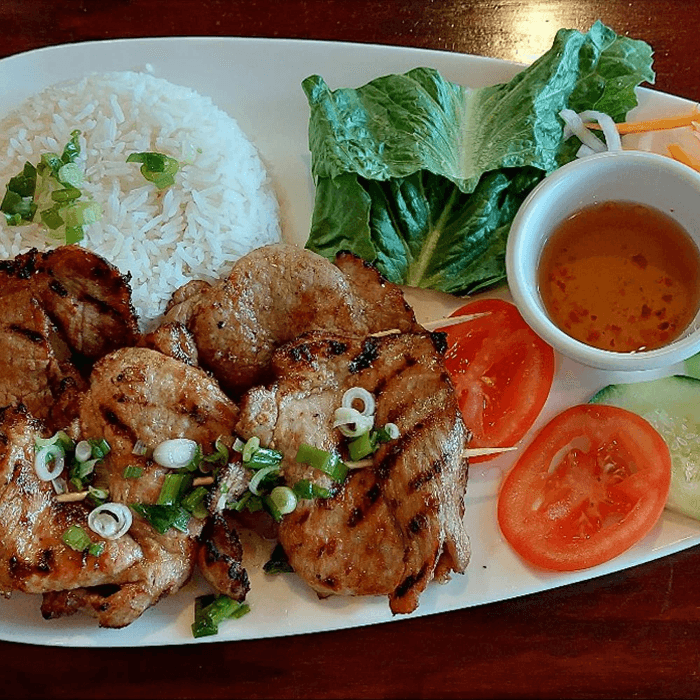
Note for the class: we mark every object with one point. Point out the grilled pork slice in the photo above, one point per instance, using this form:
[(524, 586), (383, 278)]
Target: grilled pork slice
[(61, 310), (277, 292), (184, 300), (35, 365), (140, 394), (172, 338), (166, 565), (220, 557), (33, 556), (392, 526), (87, 298)]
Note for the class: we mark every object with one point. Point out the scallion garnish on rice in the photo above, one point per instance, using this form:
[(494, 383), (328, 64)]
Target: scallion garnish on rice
[(156, 167), (18, 204), (60, 182)]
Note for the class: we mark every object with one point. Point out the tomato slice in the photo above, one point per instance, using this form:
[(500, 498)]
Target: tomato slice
[(502, 372), (592, 483)]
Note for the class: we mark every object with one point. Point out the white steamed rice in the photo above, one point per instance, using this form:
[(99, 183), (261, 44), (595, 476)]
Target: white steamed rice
[(221, 206)]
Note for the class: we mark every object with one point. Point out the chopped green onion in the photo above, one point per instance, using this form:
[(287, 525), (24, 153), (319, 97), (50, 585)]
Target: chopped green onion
[(278, 562), (132, 471), (51, 162), (362, 446), (156, 167), (368, 443), (247, 502), (110, 520), (307, 490), (72, 149), (221, 455), (60, 437), (388, 433), (76, 538), (81, 470), (162, 518), (254, 504), (49, 455), (281, 501), (173, 489), (257, 481), (81, 213), (51, 218), (140, 448), (241, 503), (71, 175), (194, 502), (210, 611), (74, 234), (100, 447), (327, 462), (67, 194), (250, 448), (264, 457), (178, 453), (97, 496), (83, 451), (18, 203), (254, 456), (357, 393), (96, 548)]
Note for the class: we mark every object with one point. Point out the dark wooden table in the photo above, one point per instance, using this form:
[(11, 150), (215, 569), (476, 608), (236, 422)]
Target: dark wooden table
[(631, 634)]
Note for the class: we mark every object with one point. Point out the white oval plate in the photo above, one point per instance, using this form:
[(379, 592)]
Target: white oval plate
[(258, 81)]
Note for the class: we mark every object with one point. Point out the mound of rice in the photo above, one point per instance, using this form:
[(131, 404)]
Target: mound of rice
[(220, 207)]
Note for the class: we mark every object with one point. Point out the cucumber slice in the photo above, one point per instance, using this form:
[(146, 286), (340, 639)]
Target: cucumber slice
[(672, 406), (692, 366)]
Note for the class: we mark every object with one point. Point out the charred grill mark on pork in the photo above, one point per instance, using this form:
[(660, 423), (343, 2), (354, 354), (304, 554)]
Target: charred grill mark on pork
[(141, 394), (33, 556), (220, 557), (87, 299), (392, 527)]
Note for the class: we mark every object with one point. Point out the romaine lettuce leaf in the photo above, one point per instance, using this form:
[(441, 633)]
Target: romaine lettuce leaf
[(422, 176)]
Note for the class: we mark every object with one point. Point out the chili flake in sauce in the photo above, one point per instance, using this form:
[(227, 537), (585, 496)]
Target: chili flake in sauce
[(621, 276)]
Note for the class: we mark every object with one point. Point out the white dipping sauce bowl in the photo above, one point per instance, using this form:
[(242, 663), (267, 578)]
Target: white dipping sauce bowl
[(632, 176)]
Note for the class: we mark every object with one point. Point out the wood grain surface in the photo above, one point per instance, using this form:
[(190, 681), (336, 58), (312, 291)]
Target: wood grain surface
[(631, 634)]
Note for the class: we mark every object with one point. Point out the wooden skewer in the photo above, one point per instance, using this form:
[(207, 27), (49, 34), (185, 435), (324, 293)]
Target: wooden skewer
[(481, 451), (473, 452), (381, 334), (452, 320), (438, 323), (76, 496)]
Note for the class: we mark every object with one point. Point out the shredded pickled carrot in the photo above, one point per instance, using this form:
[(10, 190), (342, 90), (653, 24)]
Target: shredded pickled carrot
[(678, 153), (654, 124)]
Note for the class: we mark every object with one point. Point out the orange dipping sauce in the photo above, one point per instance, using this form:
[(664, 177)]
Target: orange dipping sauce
[(621, 276)]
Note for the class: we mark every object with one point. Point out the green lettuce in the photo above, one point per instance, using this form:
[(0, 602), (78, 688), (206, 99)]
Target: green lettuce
[(422, 177)]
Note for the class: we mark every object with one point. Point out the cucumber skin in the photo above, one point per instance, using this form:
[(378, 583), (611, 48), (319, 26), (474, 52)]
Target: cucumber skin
[(677, 395), (640, 396)]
